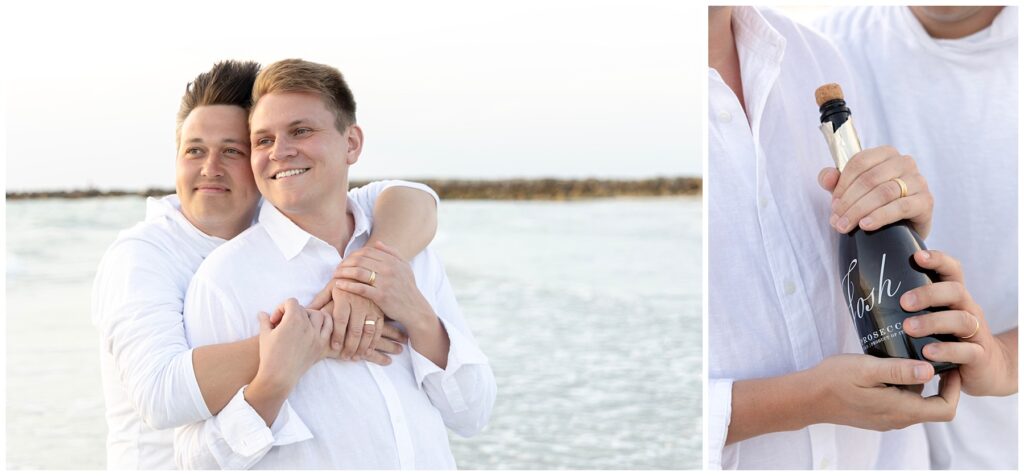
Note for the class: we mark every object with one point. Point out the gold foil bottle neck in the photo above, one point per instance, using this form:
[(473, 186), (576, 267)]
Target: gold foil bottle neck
[(842, 143)]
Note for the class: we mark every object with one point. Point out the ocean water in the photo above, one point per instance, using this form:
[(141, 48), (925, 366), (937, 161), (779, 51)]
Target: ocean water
[(589, 312)]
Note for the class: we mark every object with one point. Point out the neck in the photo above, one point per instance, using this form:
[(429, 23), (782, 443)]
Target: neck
[(950, 23), (224, 230), (333, 224), (722, 55)]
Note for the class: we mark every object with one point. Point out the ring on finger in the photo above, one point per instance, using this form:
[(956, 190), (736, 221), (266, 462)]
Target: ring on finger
[(977, 325), (903, 186), (369, 322), (373, 278)]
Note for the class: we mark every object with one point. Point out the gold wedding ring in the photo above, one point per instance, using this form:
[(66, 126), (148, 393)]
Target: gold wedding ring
[(373, 277), (903, 186), (977, 325), (370, 323)]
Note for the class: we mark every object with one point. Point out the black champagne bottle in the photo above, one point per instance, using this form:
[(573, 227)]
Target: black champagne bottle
[(876, 267)]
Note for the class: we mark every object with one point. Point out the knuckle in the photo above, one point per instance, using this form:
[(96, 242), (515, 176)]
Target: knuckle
[(904, 206), (966, 319), (894, 374), (872, 177)]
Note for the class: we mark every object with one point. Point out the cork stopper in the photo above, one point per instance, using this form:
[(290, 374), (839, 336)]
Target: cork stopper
[(827, 93)]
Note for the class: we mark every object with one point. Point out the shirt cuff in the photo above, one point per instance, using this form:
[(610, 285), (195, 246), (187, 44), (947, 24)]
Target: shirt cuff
[(247, 434), (719, 416), (462, 351), (193, 386)]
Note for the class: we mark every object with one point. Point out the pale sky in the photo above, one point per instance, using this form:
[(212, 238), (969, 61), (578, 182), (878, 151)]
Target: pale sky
[(445, 89)]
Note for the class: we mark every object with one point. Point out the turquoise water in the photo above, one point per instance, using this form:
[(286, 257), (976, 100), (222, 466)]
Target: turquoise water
[(588, 310)]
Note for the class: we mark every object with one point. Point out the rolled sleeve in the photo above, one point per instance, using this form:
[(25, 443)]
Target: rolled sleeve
[(367, 195), (464, 391), (462, 351), (247, 434), (719, 414), (237, 438)]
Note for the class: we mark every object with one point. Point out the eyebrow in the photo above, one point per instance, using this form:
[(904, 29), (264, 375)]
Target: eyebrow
[(290, 124), (199, 140)]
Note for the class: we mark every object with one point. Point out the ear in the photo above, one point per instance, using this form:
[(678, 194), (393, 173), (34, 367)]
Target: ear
[(354, 142)]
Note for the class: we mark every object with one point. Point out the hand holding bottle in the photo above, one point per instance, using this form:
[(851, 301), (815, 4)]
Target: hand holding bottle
[(867, 194), (988, 364), (846, 389)]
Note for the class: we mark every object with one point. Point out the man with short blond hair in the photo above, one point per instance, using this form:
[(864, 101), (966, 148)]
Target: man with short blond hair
[(324, 413)]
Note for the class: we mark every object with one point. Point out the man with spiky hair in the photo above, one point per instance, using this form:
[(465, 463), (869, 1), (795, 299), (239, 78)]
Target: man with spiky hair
[(305, 137), (152, 381)]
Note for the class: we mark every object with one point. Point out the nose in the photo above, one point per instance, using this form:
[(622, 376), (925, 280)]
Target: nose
[(282, 150), (212, 166)]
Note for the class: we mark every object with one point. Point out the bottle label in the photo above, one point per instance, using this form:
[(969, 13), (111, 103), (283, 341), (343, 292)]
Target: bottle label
[(862, 300)]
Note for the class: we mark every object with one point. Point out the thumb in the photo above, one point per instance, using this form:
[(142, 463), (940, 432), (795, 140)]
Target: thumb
[(264, 322), (828, 178), (901, 371), (276, 317)]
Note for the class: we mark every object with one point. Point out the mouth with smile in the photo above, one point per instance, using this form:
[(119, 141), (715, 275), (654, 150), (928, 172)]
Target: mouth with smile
[(288, 173), (211, 188)]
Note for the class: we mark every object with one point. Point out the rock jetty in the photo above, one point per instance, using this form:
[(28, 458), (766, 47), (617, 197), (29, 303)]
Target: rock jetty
[(513, 189)]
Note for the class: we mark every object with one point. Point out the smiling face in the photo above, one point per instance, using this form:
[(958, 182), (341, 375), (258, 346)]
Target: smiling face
[(299, 158), (214, 179)]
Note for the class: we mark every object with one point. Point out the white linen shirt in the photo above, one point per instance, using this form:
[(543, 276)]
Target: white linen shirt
[(952, 105), (343, 415), (774, 301), (149, 383)]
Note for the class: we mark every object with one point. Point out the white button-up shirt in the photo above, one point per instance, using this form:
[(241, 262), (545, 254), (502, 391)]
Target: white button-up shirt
[(340, 414), (146, 365), (774, 301), (952, 105)]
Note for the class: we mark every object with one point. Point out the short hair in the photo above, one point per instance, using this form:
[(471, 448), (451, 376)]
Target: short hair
[(227, 83), (296, 75)]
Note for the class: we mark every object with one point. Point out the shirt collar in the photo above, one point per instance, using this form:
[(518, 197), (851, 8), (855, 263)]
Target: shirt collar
[(290, 239)]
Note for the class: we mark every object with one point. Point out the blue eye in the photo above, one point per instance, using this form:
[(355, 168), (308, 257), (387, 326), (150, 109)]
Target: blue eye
[(303, 131), (263, 141), (193, 151)]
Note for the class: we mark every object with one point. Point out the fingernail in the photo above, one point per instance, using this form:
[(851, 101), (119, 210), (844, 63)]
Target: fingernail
[(913, 325), (843, 223), (866, 222), (835, 204), (833, 219), (910, 299), (920, 372), (339, 284), (335, 345), (926, 255)]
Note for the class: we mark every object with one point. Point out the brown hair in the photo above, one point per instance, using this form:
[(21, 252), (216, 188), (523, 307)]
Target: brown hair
[(296, 75), (227, 83)]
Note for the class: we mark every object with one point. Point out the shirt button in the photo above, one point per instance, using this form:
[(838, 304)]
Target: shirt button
[(724, 116), (789, 287), (824, 464)]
